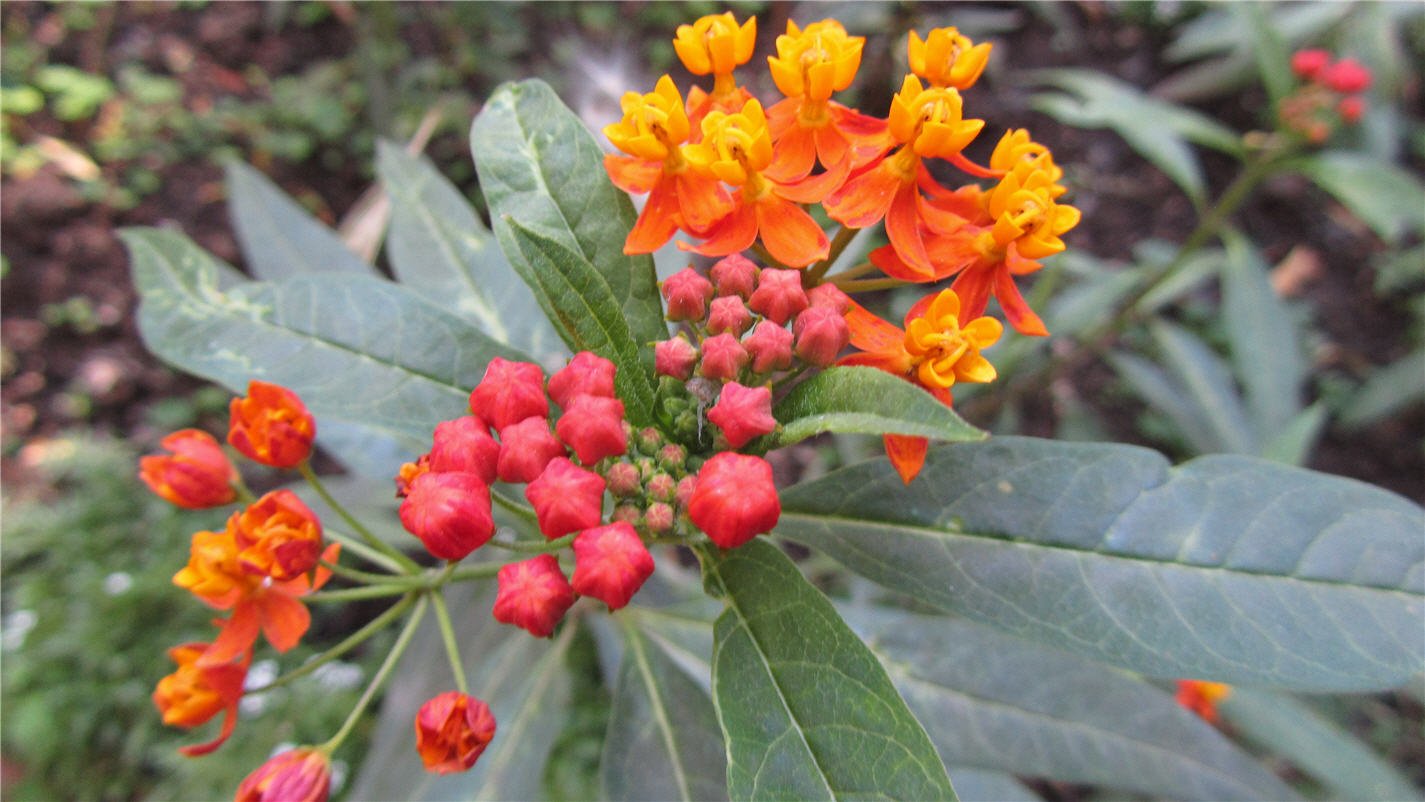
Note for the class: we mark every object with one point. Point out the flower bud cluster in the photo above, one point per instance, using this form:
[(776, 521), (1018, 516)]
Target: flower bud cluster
[(1331, 96)]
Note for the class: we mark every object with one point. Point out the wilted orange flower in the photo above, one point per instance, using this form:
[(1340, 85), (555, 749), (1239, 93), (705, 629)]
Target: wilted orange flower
[(277, 536), (452, 730), (197, 475), (271, 425), (198, 690), (1201, 697), (946, 58)]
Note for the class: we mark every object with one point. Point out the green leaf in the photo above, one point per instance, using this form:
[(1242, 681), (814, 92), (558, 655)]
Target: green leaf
[(278, 237), (994, 701), (359, 350), (1225, 568), (1268, 49), (1266, 350), (1293, 444), (806, 710), (439, 248), (1389, 389), (541, 171), (1317, 746), (864, 400), (1385, 197), (1208, 387), (663, 740)]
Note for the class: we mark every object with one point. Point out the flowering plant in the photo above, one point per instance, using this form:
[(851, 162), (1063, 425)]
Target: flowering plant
[(563, 460)]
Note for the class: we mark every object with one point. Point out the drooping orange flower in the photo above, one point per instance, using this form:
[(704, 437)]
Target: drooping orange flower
[(278, 536), (452, 731), (737, 149), (271, 425), (196, 475), (297, 775), (716, 45), (946, 58), (934, 350), (198, 690), (653, 131), (1201, 697)]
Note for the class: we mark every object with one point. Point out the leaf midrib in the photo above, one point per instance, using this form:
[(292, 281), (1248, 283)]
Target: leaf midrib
[(660, 712)]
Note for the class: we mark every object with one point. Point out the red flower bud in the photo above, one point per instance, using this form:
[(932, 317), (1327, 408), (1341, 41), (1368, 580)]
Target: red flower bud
[(779, 295), (829, 295), (661, 487), (464, 445), (743, 413), (452, 730), (196, 476), (687, 293), (735, 275), (624, 480), (723, 357), (675, 358), (271, 426), (1347, 76), (628, 513), (277, 536), (1309, 63), (659, 518), (525, 448), (821, 333), (593, 427), (771, 347), (1351, 109), (566, 498), (735, 499), (449, 512), (684, 494), (533, 595), (610, 563), (729, 315), (297, 775), (586, 374), (672, 457), (509, 393)]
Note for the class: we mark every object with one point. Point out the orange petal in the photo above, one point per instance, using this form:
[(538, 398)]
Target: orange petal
[(903, 229), (896, 364), (813, 189), (229, 723), (831, 145), (870, 333), (1016, 309), (865, 198), (656, 223), (793, 156), (635, 176), (702, 201), (789, 233), (284, 619), (235, 636), (733, 234), (892, 265), (973, 287), (906, 453)]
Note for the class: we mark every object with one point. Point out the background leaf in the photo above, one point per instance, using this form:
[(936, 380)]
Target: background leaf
[(1224, 568), (1387, 390), (1265, 343), (807, 711), (865, 401), (278, 237), (1386, 198)]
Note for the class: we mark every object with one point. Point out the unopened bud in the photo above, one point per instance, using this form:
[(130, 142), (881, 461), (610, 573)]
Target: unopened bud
[(464, 444), (1351, 109), (649, 441), (509, 392), (661, 487), (675, 358), (586, 374), (779, 295), (533, 595), (671, 457), (743, 413), (623, 480), (1347, 76), (566, 498), (593, 427), (1309, 63), (821, 333), (627, 513), (687, 293), (659, 518), (610, 563), (684, 493), (735, 275), (829, 295), (729, 315), (735, 499), (525, 448), (770, 346), (723, 358)]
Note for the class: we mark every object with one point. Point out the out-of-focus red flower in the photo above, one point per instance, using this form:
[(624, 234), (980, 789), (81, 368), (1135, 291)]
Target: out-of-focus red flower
[(1202, 697), (593, 426), (610, 563), (194, 693), (743, 413), (449, 512), (1308, 64), (525, 448), (196, 476), (586, 374), (271, 425), (464, 445), (1351, 109), (533, 595), (1347, 76), (297, 775), (566, 498), (452, 730), (278, 536), (734, 499), (508, 393)]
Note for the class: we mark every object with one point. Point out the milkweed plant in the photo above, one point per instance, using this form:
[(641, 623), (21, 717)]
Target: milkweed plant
[(569, 450)]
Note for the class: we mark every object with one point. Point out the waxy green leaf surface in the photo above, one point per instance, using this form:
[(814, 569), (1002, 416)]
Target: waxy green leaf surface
[(865, 401), (806, 710), (279, 238), (1225, 568)]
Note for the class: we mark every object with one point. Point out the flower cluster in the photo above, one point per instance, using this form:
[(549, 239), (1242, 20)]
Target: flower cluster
[(1331, 96)]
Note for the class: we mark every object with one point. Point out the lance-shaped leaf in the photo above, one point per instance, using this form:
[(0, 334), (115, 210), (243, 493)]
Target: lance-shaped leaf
[(1389, 200), (278, 237), (1226, 568), (865, 401), (355, 349), (806, 710), (541, 168), (663, 741), (994, 701), (1266, 346), (439, 248)]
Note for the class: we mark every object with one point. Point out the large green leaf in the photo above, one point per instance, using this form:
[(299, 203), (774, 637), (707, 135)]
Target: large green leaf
[(865, 401), (995, 701), (439, 248), (1266, 346), (541, 171), (278, 237), (1388, 199), (1227, 568), (806, 710), (358, 350), (663, 741)]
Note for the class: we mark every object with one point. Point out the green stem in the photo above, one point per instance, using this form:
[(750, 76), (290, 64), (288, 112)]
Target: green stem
[(482, 571), (843, 237), (513, 506), (397, 649), (353, 640), (852, 272), (368, 578), (766, 257), (356, 594), (531, 546), (870, 284), (305, 467), (447, 632), (363, 551)]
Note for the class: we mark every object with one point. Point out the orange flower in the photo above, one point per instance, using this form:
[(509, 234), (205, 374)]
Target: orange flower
[(271, 426), (946, 58), (934, 350), (652, 131), (197, 475), (737, 148), (278, 536), (452, 730), (1201, 697), (715, 44), (198, 690)]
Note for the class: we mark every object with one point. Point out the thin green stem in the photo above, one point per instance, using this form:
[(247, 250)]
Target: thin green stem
[(788, 379), (368, 578), (397, 649), (870, 284), (482, 571), (513, 506), (766, 256), (305, 467), (353, 640), (843, 237), (447, 632), (363, 551), (356, 594), (532, 546), (852, 272)]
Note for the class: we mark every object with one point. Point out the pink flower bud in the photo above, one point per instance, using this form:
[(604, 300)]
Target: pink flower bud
[(1351, 109), (662, 487), (593, 427), (675, 358), (735, 275), (729, 315), (610, 563), (687, 293), (1309, 63), (743, 413), (659, 518), (297, 775), (525, 448), (449, 512), (829, 295), (452, 730), (821, 335), (1347, 76), (566, 498), (779, 295), (533, 595), (464, 445), (509, 393), (586, 374), (628, 513), (684, 494), (723, 357), (672, 457), (771, 347), (735, 499), (623, 480)]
